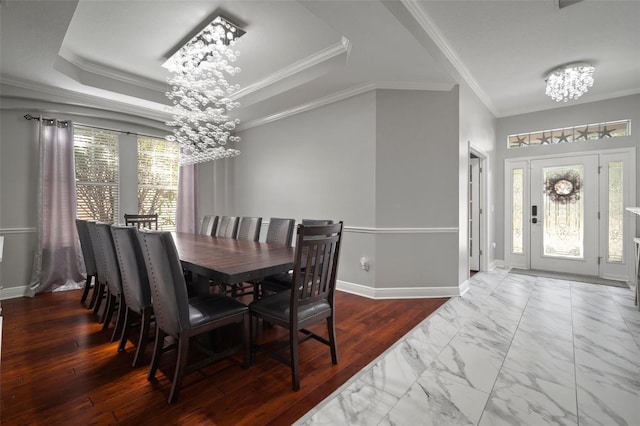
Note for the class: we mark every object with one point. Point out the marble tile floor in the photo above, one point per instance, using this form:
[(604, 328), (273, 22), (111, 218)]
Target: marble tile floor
[(514, 350)]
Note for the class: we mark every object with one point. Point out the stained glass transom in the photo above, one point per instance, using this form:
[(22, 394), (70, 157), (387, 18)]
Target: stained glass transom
[(610, 129)]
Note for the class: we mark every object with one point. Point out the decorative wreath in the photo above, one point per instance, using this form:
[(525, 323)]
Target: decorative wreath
[(563, 187)]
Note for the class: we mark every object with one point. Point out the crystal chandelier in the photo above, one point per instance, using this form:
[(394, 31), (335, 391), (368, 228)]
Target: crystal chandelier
[(569, 81), (201, 95)]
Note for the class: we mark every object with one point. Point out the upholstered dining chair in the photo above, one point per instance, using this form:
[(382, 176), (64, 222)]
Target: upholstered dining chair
[(183, 318), (149, 221), (135, 286), (100, 284), (89, 260), (209, 225), (249, 228), (310, 299), (115, 297), (227, 227)]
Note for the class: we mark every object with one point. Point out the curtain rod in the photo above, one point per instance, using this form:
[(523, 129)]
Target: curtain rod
[(31, 117)]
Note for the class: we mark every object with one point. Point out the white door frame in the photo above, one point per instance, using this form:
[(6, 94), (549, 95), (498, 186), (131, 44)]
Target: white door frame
[(625, 271), (484, 216)]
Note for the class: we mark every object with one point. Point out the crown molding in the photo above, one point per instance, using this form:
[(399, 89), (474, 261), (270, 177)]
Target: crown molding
[(111, 73), (340, 96), (317, 103), (66, 96), (343, 47), (429, 27)]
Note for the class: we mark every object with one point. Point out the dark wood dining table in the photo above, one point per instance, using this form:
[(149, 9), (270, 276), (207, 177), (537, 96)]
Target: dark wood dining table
[(229, 261)]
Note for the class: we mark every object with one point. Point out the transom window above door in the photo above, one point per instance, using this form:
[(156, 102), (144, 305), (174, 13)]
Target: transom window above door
[(587, 132)]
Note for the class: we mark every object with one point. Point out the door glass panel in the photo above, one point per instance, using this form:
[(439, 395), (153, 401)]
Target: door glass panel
[(517, 186), (563, 212), (615, 251)]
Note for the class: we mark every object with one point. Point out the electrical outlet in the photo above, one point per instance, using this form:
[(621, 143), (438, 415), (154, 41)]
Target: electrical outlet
[(364, 264)]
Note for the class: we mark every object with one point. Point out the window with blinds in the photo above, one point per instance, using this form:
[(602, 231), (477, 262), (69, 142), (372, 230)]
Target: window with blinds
[(158, 180), (96, 158)]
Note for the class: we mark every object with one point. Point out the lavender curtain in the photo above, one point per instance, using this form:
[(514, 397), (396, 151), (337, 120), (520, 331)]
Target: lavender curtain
[(57, 262), (186, 209)]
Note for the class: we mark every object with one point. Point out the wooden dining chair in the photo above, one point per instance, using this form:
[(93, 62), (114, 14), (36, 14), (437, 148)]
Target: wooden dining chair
[(280, 232), (227, 227), (310, 300), (209, 225), (149, 221), (135, 287), (89, 260), (274, 284), (183, 318), (316, 222), (115, 297)]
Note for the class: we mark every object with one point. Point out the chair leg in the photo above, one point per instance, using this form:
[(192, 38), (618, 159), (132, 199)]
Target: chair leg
[(125, 330), (253, 324), (181, 363), (295, 368), (144, 335), (108, 311), (87, 287), (331, 326), (122, 310), (246, 340), (99, 296), (157, 353), (94, 293)]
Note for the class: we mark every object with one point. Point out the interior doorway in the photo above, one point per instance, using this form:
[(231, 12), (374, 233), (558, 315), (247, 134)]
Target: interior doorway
[(474, 213), (478, 225)]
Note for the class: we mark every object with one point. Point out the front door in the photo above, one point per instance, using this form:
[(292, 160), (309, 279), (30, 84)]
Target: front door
[(564, 214)]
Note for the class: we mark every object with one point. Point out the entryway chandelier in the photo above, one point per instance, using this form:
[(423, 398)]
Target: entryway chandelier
[(201, 95), (569, 81)]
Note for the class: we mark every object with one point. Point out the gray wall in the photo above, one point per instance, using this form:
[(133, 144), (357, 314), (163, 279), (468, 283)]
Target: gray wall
[(627, 107), (385, 162), (318, 164), (417, 187)]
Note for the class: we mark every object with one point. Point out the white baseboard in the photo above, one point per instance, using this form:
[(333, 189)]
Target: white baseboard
[(398, 293), (13, 292), (496, 263)]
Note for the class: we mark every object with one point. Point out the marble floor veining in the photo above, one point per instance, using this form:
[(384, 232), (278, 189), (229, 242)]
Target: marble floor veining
[(514, 350)]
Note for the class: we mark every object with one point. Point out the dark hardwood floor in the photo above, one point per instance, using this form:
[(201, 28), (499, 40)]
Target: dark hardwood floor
[(59, 368)]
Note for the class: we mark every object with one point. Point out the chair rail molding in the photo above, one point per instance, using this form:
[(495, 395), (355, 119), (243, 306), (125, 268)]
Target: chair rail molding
[(6, 231), (368, 230)]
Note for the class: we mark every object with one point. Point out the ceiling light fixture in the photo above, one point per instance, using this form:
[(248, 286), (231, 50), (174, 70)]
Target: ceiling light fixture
[(201, 95), (569, 81)]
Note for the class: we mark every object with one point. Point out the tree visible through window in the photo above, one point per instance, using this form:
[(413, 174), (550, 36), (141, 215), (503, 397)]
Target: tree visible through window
[(96, 159), (97, 177), (158, 180)]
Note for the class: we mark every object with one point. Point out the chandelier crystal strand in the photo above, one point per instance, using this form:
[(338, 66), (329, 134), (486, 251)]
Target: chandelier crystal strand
[(201, 95), (569, 82)]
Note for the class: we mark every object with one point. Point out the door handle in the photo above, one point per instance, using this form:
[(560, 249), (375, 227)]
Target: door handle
[(534, 210), (534, 220)]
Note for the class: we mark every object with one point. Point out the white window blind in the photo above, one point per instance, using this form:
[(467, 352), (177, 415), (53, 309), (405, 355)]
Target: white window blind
[(96, 158), (158, 180)]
